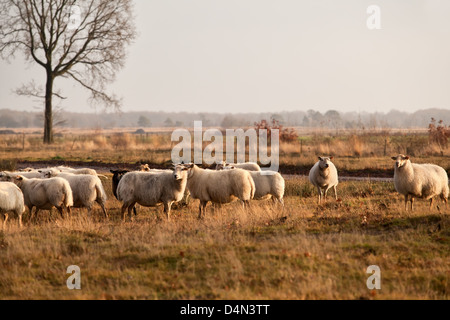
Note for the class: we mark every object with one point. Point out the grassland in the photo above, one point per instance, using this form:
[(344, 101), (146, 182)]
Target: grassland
[(301, 252), (304, 251)]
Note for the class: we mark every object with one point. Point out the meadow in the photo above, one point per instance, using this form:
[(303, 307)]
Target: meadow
[(303, 251)]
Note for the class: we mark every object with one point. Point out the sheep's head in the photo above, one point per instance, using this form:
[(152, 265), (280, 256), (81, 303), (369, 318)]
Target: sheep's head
[(221, 165), (49, 173), (145, 167), (5, 177), (16, 180), (324, 163), (180, 170), (118, 174), (400, 160)]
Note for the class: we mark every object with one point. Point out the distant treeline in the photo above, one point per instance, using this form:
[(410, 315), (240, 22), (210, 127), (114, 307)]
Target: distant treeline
[(310, 118)]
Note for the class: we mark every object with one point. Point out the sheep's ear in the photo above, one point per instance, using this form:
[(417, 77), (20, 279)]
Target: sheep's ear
[(40, 171), (331, 158), (320, 159), (394, 158), (406, 158), (19, 178)]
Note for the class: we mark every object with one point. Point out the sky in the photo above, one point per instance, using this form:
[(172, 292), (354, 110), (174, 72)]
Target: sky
[(267, 56)]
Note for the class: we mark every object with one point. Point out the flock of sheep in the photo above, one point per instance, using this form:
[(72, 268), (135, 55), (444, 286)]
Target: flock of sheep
[(66, 188)]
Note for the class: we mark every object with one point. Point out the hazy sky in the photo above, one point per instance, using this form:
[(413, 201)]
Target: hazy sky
[(267, 55)]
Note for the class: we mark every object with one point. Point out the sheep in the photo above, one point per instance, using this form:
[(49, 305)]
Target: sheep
[(249, 166), (424, 181), (117, 176), (151, 188), (44, 194), (11, 200), (86, 189), (268, 184), (219, 186), (80, 171), (30, 175), (324, 176)]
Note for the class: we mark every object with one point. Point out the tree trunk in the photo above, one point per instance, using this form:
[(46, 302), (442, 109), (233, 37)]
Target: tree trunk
[(48, 115)]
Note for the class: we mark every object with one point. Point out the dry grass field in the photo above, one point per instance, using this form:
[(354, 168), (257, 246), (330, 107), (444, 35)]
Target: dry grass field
[(304, 251)]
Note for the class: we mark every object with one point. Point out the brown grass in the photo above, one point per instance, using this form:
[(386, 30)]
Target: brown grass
[(303, 252)]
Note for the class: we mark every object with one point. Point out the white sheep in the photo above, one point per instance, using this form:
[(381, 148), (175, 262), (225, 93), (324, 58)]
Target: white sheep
[(44, 194), (79, 171), (268, 184), (86, 189), (30, 174), (11, 200), (324, 176), (91, 172), (249, 166), (424, 181), (219, 186), (152, 188)]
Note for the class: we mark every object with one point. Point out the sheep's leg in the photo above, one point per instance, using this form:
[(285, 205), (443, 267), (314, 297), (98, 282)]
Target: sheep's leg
[(280, 200), (130, 209), (412, 203), (431, 203), (30, 209), (320, 195), (5, 218), (335, 192), (124, 212), (406, 202), (61, 212), (36, 214), (135, 211), (104, 209), (19, 215), (167, 207), (64, 208), (202, 209)]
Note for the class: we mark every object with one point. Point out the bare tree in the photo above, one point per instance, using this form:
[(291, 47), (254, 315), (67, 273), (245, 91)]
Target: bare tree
[(82, 40)]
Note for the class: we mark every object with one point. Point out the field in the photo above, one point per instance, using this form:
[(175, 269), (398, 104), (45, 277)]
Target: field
[(303, 251)]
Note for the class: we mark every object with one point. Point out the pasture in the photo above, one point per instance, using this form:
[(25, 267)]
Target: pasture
[(303, 251)]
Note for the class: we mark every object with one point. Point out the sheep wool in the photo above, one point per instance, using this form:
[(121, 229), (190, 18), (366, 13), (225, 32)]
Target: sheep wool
[(424, 181)]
